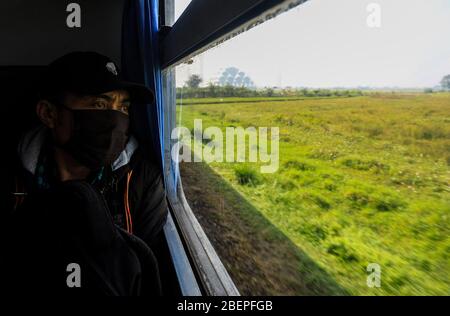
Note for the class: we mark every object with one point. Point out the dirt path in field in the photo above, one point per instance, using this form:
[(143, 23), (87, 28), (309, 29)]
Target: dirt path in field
[(260, 259)]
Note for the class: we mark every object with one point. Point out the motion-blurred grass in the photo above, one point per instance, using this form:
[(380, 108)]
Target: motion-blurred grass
[(361, 180)]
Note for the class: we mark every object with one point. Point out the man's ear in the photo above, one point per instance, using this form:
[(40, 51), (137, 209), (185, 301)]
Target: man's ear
[(47, 113)]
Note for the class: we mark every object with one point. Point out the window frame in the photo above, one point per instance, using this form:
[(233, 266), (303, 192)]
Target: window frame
[(191, 35), (205, 24)]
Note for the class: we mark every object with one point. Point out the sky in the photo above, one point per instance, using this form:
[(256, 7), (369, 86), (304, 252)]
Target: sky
[(328, 43)]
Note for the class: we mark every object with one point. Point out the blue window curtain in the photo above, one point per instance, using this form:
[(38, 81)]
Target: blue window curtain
[(140, 63)]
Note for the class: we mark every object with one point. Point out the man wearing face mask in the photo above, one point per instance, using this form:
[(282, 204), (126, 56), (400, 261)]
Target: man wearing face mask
[(83, 189)]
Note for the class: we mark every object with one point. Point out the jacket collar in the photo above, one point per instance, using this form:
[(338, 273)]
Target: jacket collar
[(31, 144)]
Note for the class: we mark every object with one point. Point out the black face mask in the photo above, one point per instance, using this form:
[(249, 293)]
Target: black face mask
[(98, 137)]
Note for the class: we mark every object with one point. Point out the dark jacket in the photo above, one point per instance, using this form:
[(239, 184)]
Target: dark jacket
[(105, 222)]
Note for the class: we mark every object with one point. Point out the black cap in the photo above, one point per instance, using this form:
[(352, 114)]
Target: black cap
[(89, 73)]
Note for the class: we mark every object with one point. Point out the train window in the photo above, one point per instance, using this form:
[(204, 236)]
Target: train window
[(313, 149), (174, 9), (180, 6)]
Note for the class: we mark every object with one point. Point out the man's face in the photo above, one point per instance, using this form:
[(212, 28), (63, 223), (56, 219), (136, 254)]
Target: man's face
[(118, 100)]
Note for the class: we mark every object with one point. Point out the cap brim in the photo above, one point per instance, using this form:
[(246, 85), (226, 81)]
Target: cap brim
[(139, 93)]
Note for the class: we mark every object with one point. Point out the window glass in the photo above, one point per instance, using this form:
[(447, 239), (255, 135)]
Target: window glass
[(174, 9), (180, 6), (340, 181)]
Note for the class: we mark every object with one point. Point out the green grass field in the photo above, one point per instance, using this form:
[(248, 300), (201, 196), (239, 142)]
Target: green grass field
[(361, 180)]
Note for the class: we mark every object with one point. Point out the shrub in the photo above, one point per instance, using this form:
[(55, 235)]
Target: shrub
[(245, 175), (321, 201), (341, 251), (298, 165), (313, 232), (387, 202), (358, 198), (330, 186), (324, 154), (430, 132), (288, 185), (359, 164), (374, 131)]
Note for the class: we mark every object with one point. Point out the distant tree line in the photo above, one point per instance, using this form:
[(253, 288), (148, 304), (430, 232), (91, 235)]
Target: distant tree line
[(444, 85), (445, 82), (192, 89), (216, 91)]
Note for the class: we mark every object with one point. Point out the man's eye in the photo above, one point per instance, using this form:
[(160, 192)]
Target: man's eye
[(124, 108), (101, 105)]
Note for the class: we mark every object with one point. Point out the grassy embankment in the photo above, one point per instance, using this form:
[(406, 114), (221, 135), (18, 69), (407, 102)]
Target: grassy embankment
[(361, 180)]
